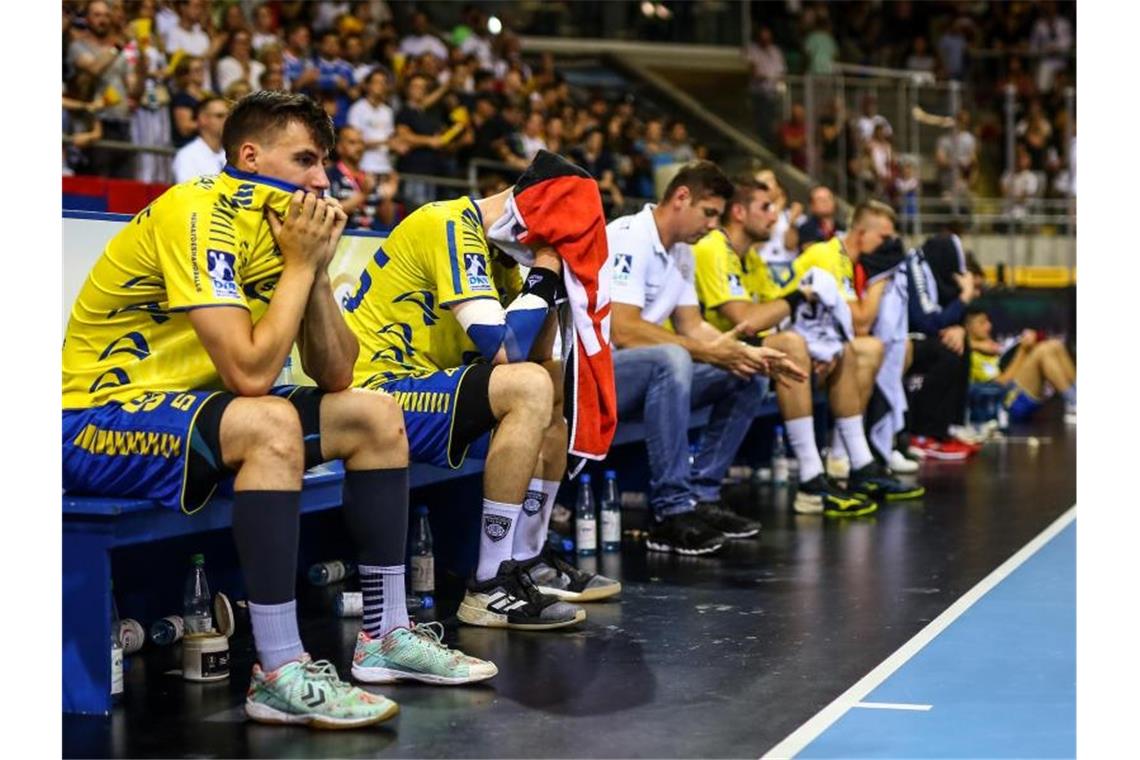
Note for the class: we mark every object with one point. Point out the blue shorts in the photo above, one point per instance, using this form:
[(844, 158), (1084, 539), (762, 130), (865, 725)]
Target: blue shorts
[(147, 448), (429, 404), (139, 449), (1020, 405)]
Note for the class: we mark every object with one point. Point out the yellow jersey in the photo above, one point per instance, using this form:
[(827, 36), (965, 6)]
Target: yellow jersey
[(435, 258), (202, 243), (984, 368), (720, 278), (829, 256)]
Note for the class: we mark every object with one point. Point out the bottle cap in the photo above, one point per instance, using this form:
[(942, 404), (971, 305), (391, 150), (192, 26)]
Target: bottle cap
[(585, 478), (611, 475), (198, 559), (223, 614)]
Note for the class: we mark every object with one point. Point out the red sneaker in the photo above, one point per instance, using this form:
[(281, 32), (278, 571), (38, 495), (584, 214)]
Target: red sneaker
[(947, 451)]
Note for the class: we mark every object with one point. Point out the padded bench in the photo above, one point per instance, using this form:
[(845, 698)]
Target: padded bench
[(94, 526)]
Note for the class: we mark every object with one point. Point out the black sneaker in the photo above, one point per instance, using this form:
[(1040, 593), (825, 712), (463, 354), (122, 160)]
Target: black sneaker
[(875, 481), (511, 600), (822, 494), (726, 521), (686, 533), (555, 576)]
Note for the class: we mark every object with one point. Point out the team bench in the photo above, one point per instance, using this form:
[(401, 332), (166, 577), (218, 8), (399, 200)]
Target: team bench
[(95, 526)]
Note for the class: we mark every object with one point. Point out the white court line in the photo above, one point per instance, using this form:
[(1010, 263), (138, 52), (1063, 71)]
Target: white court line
[(822, 720), (892, 706)]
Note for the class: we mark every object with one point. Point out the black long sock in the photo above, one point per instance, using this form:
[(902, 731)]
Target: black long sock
[(376, 510), (266, 527)]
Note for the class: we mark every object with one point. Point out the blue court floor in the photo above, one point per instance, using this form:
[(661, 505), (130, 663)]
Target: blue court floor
[(1000, 681)]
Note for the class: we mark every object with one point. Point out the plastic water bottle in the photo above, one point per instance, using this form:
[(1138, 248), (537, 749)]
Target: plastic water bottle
[(116, 652), (334, 571), (779, 458), (167, 630), (585, 520), (285, 376), (423, 562), (196, 613), (611, 514)]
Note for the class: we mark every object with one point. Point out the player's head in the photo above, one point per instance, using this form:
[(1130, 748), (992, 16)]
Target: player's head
[(349, 145), (695, 200), (822, 202), (282, 135), (751, 209), (872, 223), (978, 325), (210, 116)]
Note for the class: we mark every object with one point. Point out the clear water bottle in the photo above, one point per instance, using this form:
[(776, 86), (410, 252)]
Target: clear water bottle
[(585, 520), (196, 613), (333, 571), (611, 514), (423, 561), (116, 652), (285, 376), (166, 631), (780, 469)]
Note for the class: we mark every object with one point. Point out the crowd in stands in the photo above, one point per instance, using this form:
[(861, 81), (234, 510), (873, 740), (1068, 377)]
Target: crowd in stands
[(411, 102), (985, 47)]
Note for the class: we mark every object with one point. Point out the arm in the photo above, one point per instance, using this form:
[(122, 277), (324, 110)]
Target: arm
[(96, 63), (184, 121), (629, 330), (328, 347), (249, 356), (412, 140), (757, 316), (865, 309)]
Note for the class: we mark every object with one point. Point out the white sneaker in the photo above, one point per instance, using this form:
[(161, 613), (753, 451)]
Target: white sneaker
[(1071, 415), (837, 467), (966, 434), (900, 465)]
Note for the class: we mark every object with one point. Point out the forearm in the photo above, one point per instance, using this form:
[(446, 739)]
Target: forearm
[(328, 347)]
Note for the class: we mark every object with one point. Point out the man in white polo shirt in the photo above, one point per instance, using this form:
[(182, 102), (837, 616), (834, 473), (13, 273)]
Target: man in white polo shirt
[(661, 375), (204, 154)]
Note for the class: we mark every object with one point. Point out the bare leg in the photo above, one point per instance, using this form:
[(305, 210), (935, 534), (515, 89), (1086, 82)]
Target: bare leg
[(869, 354), (261, 439), (552, 456), (1064, 361), (365, 429), (522, 396), (794, 401), (843, 385)]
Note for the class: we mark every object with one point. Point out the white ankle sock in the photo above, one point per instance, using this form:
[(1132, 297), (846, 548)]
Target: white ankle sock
[(838, 450), (275, 634), (854, 439), (530, 535), (801, 434), (496, 540)]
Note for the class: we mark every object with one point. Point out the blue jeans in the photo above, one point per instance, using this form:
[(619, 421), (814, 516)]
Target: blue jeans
[(661, 385)]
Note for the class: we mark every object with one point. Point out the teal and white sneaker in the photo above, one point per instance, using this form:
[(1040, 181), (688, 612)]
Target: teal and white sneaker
[(416, 654), (303, 692)]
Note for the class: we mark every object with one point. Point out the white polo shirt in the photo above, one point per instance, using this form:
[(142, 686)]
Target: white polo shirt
[(374, 123), (646, 274), (195, 159)]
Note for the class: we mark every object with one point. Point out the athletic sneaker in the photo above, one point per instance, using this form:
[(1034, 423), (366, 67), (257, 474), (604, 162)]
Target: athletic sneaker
[(837, 467), (900, 464), (511, 600), (946, 451), (1070, 414), (726, 521), (686, 533), (416, 654), (874, 481), (823, 495), (557, 577), (304, 692)]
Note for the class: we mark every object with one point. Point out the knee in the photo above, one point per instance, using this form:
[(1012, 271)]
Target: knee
[(1054, 346), (792, 344), (869, 349), (278, 433), (527, 387), (380, 418), (674, 363)]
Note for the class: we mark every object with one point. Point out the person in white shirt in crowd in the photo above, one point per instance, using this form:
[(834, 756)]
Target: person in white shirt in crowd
[(190, 36), (374, 119), (767, 71), (531, 138), (240, 63), (421, 40), (327, 14), (957, 157), (265, 31), (866, 122), (204, 154), (1020, 187), (661, 375)]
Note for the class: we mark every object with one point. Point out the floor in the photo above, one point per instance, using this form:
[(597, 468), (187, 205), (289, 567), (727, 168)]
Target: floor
[(713, 657)]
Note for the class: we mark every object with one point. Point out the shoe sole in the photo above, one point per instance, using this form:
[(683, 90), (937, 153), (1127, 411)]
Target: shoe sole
[(914, 493), (589, 595), (942, 456), (385, 675), (854, 512), (473, 615), (904, 470), (670, 549), (808, 504), (747, 534), (266, 714)]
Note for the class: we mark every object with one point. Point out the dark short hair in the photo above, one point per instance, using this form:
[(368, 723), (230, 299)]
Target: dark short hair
[(703, 178), (206, 101), (261, 114), (742, 189)]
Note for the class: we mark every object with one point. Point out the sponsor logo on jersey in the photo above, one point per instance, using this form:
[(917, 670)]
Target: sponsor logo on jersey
[(220, 267), (533, 502), (496, 527), (734, 285), (623, 265), (476, 266)]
